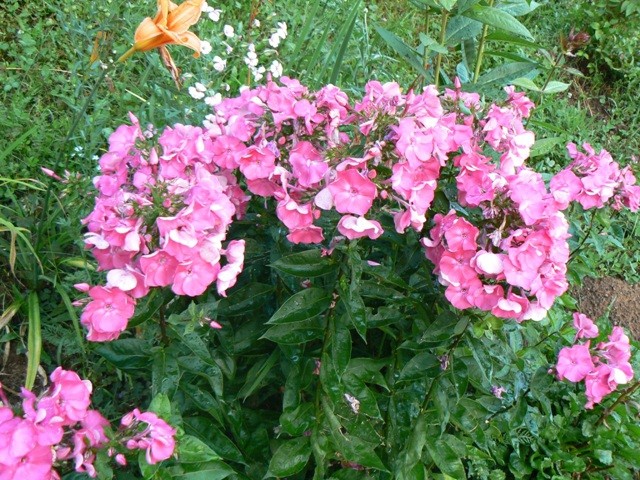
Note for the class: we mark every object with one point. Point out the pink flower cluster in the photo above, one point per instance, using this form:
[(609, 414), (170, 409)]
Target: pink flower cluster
[(59, 426), (602, 368), (595, 180), (150, 433), (160, 220)]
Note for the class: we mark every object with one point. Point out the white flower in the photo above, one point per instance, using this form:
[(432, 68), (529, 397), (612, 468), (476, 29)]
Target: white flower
[(213, 100), (205, 47), (276, 69), (282, 30), (229, 47), (195, 93), (206, 7), (214, 14), (219, 64), (200, 87), (274, 40), (256, 23), (228, 31), (226, 87)]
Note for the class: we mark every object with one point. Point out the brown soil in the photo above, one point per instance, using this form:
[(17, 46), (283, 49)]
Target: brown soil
[(597, 295)]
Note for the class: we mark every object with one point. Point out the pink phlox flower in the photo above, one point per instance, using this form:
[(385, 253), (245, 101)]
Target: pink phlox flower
[(308, 234), (150, 433), (585, 328), (352, 192), (107, 314), (228, 275), (461, 235), (308, 165), (193, 276), (358, 227), (574, 363)]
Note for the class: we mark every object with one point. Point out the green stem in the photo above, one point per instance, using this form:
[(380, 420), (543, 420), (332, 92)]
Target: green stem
[(483, 38), (586, 235), (623, 397), (443, 31), (427, 21)]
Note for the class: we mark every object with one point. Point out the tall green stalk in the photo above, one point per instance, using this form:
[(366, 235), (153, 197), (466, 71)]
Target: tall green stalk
[(443, 31), (483, 38)]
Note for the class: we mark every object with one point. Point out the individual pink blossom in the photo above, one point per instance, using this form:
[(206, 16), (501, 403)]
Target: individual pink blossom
[(358, 227), (149, 433), (574, 363), (107, 314), (585, 328), (352, 193)]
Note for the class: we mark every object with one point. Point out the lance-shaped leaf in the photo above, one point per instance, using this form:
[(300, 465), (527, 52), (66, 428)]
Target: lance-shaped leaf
[(499, 19), (301, 306)]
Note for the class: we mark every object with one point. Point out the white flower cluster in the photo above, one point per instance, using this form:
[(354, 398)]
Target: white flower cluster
[(256, 44)]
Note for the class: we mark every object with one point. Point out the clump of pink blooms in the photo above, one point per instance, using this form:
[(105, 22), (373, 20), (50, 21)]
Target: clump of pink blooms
[(602, 367), (58, 426), (164, 210)]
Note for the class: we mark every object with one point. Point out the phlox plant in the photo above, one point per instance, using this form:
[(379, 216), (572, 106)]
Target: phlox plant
[(313, 213), (58, 428)]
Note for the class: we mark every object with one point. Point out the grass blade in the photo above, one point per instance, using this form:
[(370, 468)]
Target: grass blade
[(351, 23), (34, 340)]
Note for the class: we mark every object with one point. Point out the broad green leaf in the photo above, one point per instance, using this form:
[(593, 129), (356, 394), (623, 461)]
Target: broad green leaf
[(297, 421), (128, 354), (290, 458), (504, 37), (460, 28), (445, 458), (245, 299), (302, 305), (257, 374), (307, 264), (215, 470), (430, 44), (193, 450), (519, 7), (464, 5), (447, 4), (296, 332), (340, 345), (499, 19), (204, 429), (422, 366), (555, 87), (504, 74), (355, 312), (207, 370), (161, 405), (545, 145), (524, 82), (402, 49)]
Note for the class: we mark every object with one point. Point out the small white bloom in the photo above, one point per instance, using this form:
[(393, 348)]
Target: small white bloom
[(353, 402), (200, 87), (195, 93), (243, 88), (205, 47), (214, 15), (228, 47), (213, 100), (226, 87), (206, 7), (228, 31), (252, 55), (257, 76), (276, 69), (219, 64), (274, 40), (282, 30), (256, 23)]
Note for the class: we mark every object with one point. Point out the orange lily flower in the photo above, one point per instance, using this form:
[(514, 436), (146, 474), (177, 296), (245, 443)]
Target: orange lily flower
[(169, 27)]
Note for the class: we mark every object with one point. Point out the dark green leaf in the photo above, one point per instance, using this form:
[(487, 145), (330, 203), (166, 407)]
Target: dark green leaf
[(128, 354), (460, 28), (245, 299), (445, 458), (193, 450), (402, 49), (297, 332), (503, 74), (291, 457), (307, 264), (499, 19), (422, 366), (302, 305), (257, 374)]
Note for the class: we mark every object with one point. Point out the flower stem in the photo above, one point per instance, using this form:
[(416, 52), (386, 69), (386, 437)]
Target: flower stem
[(443, 31), (483, 37), (623, 397)]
